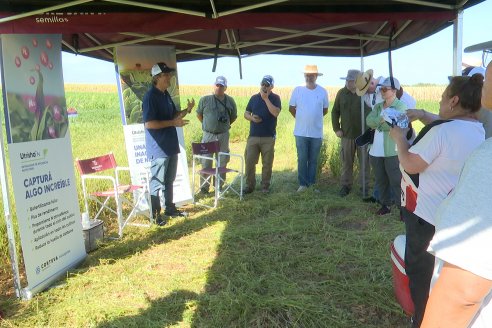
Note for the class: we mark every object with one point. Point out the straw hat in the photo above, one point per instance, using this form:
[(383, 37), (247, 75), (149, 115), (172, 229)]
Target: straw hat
[(362, 82), (312, 69)]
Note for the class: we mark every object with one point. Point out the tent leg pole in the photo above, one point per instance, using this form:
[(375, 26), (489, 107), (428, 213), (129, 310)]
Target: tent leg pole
[(457, 43), (363, 125)]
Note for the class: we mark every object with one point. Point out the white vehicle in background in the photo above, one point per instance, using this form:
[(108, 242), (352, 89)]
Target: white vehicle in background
[(485, 47), (484, 115)]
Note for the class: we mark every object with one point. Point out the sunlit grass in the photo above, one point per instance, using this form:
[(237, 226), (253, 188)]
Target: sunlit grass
[(277, 260)]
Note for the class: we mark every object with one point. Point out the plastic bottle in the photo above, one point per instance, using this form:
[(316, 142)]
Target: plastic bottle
[(86, 223)]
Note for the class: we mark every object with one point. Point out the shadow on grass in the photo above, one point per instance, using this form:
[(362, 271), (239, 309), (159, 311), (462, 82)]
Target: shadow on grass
[(295, 260), (165, 311), (284, 259)]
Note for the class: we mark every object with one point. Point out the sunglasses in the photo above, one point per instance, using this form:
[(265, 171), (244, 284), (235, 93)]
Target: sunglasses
[(219, 86), (265, 85)]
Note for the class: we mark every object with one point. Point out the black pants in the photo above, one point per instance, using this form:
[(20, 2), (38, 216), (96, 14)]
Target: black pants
[(419, 264)]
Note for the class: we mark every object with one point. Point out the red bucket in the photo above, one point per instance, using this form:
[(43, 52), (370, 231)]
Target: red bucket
[(400, 279)]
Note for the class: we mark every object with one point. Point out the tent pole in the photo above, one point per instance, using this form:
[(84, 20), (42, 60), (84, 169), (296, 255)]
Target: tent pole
[(457, 43), (363, 127)]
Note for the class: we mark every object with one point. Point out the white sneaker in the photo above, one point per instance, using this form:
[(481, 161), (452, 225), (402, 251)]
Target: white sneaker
[(301, 189)]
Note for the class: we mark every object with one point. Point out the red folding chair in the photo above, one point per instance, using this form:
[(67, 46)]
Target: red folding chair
[(213, 175), (90, 168)]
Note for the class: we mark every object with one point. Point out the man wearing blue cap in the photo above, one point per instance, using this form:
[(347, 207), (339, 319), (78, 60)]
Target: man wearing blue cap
[(262, 111), (161, 139)]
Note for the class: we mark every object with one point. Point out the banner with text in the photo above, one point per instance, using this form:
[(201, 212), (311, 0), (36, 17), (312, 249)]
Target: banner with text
[(41, 161), (134, 64)]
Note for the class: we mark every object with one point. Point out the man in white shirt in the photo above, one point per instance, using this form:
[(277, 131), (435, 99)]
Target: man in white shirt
[(308, 104)]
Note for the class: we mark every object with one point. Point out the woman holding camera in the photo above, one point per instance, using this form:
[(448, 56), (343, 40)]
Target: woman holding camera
[(430, 171), (382, 155)]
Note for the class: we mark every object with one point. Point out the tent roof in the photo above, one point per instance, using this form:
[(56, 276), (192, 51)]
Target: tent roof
[(216, 28)]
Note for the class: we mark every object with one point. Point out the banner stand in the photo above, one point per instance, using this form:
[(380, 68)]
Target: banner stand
[(28, 292), (40, 161)]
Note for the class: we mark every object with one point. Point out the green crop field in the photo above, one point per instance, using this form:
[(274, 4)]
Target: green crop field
[(277, 260)]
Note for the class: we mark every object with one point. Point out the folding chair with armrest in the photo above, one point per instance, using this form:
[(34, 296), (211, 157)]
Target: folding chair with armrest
[(106, 163), (214, 175)]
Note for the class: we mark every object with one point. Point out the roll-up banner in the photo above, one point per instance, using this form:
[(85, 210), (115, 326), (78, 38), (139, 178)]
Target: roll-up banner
[(41, 162)]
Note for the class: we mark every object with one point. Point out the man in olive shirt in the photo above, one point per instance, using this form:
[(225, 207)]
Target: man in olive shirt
[(216, 112), (347, 125)]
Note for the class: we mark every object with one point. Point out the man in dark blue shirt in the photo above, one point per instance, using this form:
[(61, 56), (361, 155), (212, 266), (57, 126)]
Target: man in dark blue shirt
[(161, 118), (262, 111)]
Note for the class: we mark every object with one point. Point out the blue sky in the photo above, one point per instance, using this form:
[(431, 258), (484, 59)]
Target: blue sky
[(426, 61)]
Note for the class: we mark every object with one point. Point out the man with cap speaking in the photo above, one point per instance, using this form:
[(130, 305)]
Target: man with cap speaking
[(216, 112), (347, 124), (308, 104), (262, 111), (161, 118)]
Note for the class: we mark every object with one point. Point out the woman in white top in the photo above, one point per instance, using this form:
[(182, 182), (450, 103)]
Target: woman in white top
[(462, 294), (430, 170)]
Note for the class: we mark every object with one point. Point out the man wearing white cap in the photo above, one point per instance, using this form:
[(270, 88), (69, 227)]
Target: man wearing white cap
[(161, 118), (308, 104), (262, 111), (216, 112), (347, 124)]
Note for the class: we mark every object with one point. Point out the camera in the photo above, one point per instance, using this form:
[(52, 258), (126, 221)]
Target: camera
[(393, 117), (222, 119)]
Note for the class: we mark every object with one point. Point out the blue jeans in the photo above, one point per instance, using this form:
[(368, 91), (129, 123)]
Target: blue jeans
[(163, 171), (307, 159)]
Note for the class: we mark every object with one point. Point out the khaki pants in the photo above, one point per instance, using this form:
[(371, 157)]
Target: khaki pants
[(347, 156), (254, 147)]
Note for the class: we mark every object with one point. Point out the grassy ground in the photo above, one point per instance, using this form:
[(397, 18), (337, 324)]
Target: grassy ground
[(281, 260), (277, 260)]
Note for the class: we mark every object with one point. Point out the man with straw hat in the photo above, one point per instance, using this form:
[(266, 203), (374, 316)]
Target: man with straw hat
[(308, 104), (366, 86)]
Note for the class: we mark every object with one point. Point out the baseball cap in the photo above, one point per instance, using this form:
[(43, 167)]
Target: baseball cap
[(161, 68), (387, 83), (351, 75), (268, 79), (478, 69), (221, 81)]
